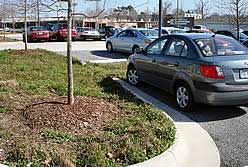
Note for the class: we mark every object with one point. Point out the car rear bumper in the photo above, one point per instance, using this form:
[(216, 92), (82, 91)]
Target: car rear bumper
[(91, 36), (220, 94)]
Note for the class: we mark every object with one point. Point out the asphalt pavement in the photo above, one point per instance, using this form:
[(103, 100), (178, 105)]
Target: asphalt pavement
[(226, 125)]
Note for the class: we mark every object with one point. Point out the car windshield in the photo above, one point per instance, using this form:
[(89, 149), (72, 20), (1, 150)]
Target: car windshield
[(220, 47), (37, 28), (149, 33)]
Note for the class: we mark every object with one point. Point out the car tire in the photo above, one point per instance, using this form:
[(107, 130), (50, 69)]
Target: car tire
[(109, 47), (132, 76), (134, 49), (184, 97)]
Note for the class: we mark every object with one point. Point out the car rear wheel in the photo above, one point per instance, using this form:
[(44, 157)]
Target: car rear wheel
[(184, 97), (132, 76), (109, 47)]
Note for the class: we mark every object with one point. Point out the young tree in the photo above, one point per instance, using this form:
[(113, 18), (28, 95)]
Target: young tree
[(237, 11), (202, 7)]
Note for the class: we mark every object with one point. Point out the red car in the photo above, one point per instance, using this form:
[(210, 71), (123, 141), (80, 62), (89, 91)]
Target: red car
[(59, 32), (36, 33)]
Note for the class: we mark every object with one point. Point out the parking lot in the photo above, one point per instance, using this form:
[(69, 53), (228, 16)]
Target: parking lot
[(226, 125)]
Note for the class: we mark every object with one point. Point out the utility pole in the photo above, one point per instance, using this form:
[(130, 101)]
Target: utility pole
[(25, 26), (69, 56), (160, 19), (177, 13), (38, 12)]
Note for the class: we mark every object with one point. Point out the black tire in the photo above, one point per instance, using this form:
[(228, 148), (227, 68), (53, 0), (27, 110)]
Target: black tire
[(184, 97), (132, 76), (109, 47), (134, 49)]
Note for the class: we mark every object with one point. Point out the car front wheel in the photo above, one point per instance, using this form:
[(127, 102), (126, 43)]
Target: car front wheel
[(184, 97), (132, 76)]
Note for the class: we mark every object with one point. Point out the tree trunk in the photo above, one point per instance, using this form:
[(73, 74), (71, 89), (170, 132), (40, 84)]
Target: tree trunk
[(237, 21), (69, 56), (25, 27)]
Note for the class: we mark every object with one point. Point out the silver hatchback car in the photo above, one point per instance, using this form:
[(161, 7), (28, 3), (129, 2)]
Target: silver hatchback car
[(200, 68), (131, 39)]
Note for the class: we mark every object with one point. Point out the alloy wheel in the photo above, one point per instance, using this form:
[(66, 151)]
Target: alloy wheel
[(182, 96), (132, 76)]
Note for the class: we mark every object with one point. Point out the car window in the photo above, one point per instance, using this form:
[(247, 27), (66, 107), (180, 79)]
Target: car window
[(220, 47), (177, 47), (149, 33), (156, 47), (123, 34), (132, 34)]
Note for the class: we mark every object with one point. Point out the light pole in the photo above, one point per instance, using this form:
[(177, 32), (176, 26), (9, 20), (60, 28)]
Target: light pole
[(160, 19), (177, 13)]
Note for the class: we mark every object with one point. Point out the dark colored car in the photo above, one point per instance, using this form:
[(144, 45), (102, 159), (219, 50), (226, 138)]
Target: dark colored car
[(59, 32), (243, 37), (36, 33), (245, 43), (107, 32), (195, 68), (245, 32)]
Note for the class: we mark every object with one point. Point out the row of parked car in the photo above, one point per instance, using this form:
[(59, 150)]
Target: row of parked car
[(132, 39), (58, 32)]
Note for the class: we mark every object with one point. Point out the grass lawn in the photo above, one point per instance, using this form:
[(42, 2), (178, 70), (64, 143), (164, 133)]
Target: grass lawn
[(134, 133)]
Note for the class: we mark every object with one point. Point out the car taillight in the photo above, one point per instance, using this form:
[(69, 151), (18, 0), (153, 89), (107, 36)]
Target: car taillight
[(147, 41), (212, 71)]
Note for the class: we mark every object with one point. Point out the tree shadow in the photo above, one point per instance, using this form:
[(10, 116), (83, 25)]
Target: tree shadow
[(114, 55), (116, 91)]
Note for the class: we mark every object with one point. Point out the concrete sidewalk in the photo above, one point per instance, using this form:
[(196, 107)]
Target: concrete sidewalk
[(193, 146)]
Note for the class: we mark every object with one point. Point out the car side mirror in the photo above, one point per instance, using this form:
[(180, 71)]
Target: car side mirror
[(140, 51)]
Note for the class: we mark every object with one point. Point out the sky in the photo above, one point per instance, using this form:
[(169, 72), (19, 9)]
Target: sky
[(142, 4)]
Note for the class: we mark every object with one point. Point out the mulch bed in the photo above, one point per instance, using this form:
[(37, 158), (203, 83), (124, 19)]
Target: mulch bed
[(87, 114)]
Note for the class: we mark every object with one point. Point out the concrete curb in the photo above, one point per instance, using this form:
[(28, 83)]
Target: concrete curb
[(193, 146)]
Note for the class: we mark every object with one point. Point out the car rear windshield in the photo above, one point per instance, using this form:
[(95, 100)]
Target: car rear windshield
[(220, 47), (149, 33), (88, 29), (37, 28)]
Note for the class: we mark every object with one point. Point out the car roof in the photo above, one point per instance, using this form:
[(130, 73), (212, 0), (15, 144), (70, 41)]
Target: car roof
[(198, 35)]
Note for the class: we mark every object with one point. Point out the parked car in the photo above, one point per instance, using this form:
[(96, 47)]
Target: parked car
[(199, 27), (243, 37), (84, 33), (109, 31), (195, 68), (245, 43), (36, 33), (171, 30), (59, 32), (131, 39), (199, 31), (245, 32)]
